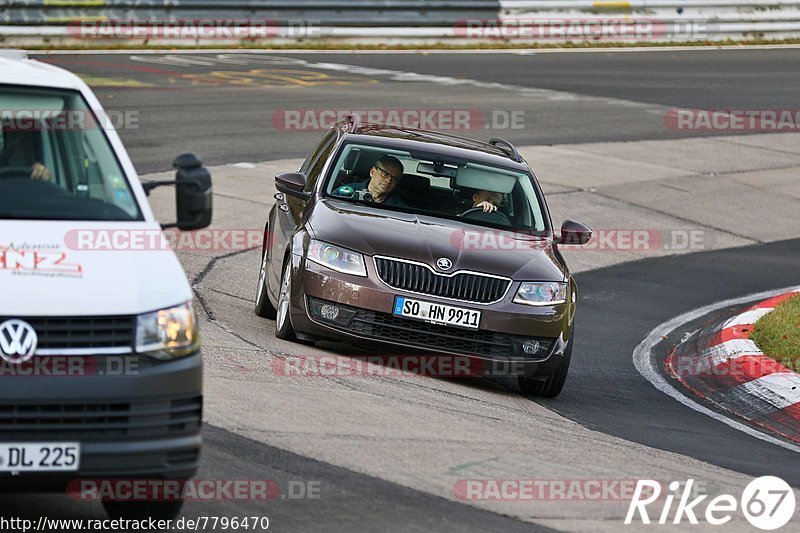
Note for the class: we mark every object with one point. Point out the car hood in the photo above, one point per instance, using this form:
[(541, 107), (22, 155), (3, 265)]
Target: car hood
[(376, 231), (46, 271)]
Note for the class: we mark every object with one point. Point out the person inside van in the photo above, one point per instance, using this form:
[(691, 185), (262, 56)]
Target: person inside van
[(19, 149)]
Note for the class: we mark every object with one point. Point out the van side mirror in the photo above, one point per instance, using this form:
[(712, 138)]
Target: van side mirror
[(193, 196), (574, 233), (192, 193)]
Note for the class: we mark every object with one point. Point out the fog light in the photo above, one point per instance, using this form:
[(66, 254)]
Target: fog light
[(530, 347), (329, 312)]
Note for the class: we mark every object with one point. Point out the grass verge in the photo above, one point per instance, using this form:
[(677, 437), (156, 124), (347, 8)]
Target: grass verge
[(777, 334)]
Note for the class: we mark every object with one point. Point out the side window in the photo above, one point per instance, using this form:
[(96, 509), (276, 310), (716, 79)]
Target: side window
[(309, 162), (318, 159)]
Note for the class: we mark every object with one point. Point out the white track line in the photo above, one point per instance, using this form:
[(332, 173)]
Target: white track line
[(642, 360), (518, 51)]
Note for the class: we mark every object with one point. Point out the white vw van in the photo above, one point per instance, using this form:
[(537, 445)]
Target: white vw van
[(100, 364)]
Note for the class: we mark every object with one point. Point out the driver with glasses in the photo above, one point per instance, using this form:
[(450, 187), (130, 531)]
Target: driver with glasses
[(384, 176)]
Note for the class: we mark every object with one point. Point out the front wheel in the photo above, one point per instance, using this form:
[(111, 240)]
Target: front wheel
[(551, 386), (264, 307), (283, 320)]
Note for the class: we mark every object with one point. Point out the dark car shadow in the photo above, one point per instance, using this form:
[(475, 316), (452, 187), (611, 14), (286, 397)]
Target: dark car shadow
[(30, 506), (388, 358)]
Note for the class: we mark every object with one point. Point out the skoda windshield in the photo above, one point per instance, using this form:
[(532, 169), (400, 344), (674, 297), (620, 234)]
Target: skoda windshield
[(467, 191), (56, 161)]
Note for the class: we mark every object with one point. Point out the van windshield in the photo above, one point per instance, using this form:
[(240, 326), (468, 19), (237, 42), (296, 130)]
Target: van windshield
[(56, 161)]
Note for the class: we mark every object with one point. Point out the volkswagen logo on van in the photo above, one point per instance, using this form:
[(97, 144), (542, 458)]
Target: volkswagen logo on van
[(18, 341), (444, 263)]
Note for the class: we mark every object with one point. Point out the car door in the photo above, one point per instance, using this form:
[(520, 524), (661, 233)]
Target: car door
[(288, 211)]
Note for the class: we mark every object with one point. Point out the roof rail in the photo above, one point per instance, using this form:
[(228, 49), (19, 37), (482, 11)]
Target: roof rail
[(354, 121), (507, 147), (13, 54)]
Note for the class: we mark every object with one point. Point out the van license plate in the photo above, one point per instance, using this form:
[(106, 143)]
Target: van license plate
[(40, 457)]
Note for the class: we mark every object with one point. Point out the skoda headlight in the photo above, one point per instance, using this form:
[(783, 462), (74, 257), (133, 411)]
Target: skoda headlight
[(541, 293), (337, 258), (168, 333)]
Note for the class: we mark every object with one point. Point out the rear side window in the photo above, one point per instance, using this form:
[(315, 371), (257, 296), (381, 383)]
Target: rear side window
[(56, 161)]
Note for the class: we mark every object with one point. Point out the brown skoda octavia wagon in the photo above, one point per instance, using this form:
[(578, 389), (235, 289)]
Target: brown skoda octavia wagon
[(422, 241)]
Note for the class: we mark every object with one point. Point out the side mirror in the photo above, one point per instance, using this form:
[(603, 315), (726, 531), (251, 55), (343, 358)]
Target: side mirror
[(574, 233), (292, 183), (192, 193), (193, 196)]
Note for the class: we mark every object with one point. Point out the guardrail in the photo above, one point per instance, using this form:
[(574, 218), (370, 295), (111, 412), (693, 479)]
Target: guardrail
[(352, 13), (638, 4), (711, 19), (32, 22)]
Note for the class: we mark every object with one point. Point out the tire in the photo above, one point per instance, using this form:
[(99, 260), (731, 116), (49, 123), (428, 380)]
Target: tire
[(142, 510), (554, 383), (263, 306), (283, 318)]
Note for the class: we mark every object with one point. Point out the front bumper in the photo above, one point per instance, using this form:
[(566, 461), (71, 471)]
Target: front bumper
[(504, 325), (143, 423)]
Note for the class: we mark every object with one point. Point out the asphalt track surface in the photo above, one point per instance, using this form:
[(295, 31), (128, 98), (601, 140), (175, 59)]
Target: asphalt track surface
[(222, 108), (347, 501), (619, 305)]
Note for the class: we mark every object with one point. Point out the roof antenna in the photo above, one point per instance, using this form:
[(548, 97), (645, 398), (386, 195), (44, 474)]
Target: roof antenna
[(507, 147)]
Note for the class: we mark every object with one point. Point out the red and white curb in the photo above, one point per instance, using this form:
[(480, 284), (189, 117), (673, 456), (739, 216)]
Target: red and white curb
[(722, 365)]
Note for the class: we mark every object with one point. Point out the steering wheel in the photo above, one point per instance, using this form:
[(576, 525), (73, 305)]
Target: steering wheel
[(15, 171), (495, 217)]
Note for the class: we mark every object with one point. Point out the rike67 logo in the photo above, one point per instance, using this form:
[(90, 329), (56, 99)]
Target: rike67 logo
[(767, 503)]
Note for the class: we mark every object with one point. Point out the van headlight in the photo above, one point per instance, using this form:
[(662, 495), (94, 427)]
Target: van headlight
[(541, 293), (168, 333), (337, 258)]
